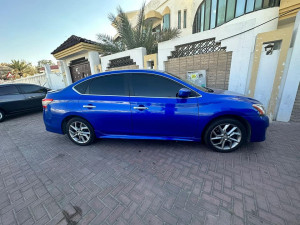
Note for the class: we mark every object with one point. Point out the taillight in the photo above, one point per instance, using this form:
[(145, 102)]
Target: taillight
[(46, 102)]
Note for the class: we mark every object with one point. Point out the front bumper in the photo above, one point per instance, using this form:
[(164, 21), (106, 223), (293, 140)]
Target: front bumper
[(259, 125)]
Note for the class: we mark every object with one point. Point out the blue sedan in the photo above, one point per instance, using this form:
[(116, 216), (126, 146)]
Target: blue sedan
[(148, 104)]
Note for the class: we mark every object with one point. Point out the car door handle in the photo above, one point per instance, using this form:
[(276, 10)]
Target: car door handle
[(31, 97), (89, 106), (140, 107)]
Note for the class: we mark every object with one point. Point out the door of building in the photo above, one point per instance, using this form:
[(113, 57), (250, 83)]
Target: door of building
[(80, 68)]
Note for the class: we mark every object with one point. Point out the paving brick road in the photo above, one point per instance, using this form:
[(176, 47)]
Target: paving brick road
[(46, 179)]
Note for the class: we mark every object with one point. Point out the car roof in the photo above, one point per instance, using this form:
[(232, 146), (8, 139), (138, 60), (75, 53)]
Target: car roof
[(158, 72), (18, 84)]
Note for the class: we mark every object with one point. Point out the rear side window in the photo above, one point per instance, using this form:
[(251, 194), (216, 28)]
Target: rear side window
[(9, 90), (109, 85), (82, 87), (150, 85), (27, 89)]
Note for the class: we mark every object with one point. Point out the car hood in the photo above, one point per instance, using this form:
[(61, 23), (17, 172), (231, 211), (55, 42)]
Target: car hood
[(234, 95), (225, 92)]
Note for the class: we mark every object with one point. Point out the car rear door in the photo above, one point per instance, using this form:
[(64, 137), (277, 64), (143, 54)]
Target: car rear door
[(156, 111), (106, 104), (33, 94), (11, 100)]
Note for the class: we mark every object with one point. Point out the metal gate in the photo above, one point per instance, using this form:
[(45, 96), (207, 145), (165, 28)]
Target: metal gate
[(296, 109), (80, 68)]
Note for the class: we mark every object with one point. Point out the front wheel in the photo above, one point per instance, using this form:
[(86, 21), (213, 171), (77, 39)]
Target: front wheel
[(80, 131), (2, 116), (225, 135)]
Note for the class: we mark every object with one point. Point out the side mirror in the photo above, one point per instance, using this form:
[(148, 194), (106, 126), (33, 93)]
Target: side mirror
[(184, 93)]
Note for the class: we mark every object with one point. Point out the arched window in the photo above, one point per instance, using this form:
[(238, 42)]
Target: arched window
[(213, 13), (166, 18)]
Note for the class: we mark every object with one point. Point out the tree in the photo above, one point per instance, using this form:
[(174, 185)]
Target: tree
[(4, 64), (30, 69), (45, 61), (133, 37), (18, 66)]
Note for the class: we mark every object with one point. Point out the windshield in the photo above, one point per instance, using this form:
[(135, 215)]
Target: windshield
[(205, 89)]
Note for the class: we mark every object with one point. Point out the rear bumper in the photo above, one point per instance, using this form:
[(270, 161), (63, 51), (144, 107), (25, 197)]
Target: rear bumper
[(52, 123), (259, 125)]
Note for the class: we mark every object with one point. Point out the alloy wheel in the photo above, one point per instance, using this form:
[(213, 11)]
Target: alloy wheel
[(79, 132), (226, 136)]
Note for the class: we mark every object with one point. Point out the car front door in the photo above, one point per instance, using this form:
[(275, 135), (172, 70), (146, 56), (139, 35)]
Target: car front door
[(33, 94), (106, 104), (156, 109), (11, 101)]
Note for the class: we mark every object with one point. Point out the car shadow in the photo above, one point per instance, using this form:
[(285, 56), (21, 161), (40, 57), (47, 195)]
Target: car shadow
[(20, 115)]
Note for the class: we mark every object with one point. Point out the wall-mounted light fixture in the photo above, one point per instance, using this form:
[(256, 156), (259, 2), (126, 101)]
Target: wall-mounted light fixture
[(269, 49)]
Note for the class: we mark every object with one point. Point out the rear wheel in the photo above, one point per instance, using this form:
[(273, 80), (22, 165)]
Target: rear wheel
[(2, 116), (80, 131), (225, 135)]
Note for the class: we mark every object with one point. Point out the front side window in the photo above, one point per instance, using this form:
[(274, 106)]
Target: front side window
[(150, 85), (28, 89), (8, 90), (114, 84)]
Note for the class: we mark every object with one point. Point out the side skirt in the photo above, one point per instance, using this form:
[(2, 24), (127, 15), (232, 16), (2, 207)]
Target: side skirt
[(149, 138)]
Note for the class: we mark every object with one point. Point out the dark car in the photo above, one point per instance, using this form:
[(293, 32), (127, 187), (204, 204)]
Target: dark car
[(19, 98), (148, 104)]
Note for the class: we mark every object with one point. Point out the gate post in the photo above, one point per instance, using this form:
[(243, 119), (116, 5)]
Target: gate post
[(64, 69), (48, 72), (93, 57)]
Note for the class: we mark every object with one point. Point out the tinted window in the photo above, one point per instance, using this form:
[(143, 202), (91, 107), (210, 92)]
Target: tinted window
[(108, 85), (27, 89), (82, 87), (9, 90), (150, 85)]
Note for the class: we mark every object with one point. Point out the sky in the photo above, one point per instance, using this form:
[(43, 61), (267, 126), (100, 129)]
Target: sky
[(31, 29)]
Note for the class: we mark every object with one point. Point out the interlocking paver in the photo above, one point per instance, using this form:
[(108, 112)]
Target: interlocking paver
[(43, 175)]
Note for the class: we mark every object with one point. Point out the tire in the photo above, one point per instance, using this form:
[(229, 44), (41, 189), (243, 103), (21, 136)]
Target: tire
[(225, 135), (75, 128), (2, 116)]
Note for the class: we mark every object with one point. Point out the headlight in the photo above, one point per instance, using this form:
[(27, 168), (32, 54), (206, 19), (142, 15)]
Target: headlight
[(260, 108)]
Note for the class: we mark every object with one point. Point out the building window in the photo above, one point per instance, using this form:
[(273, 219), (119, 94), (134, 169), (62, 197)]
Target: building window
[(240, 8), (179, 19), (184, 19), (212, 13), (166, 21), (258, 4), (250, 6), (230, 10), (221, 12)]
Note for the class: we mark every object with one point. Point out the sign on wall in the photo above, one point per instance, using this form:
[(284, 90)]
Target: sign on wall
[(197, 77)]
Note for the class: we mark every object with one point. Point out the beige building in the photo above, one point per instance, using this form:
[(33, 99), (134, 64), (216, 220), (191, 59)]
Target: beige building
[(247, 46), (168, 13)]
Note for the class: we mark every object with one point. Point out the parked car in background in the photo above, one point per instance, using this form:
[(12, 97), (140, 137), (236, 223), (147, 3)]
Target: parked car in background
[(148, 104), (19, 98)]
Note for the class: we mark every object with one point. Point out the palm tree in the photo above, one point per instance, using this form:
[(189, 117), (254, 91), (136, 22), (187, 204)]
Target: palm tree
[(133, 37), (19, 66)]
